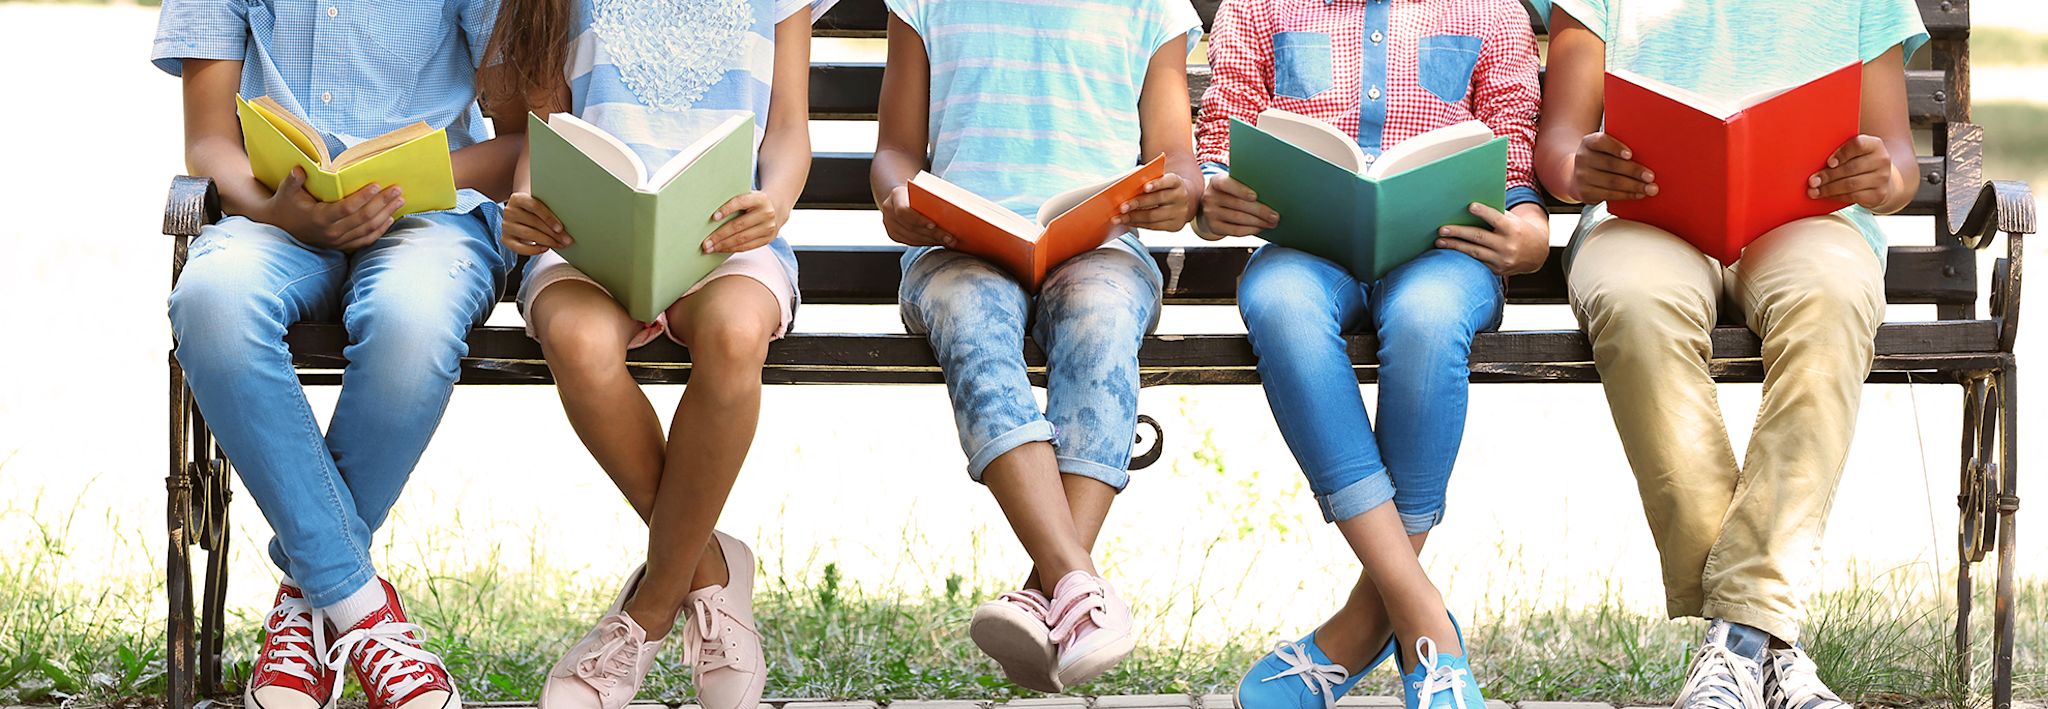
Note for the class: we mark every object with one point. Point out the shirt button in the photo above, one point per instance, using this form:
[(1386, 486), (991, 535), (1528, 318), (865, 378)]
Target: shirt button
[(1376, 36), (1374, 94), (326, 97), (332, 11)]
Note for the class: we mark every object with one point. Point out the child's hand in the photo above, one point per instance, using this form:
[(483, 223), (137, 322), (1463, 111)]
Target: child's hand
[(1518, 242), (531, 228), (756, 224), (1231, 209), (352, 223), (1603, 171), (906, 226), (1162, 207), (1860, 171)]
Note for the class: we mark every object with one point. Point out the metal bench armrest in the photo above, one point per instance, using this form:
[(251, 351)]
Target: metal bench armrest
[(193, 204), (1978, 210)]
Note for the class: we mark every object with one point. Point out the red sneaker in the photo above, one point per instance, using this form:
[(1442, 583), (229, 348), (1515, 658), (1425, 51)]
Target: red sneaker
[(289, 672), (383, 652)]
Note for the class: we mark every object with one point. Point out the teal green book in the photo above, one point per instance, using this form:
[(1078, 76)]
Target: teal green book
[(1368, 214), (639, 232)]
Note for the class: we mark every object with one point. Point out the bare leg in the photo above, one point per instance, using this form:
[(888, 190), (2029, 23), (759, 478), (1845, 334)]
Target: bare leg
[(1026, 483), (727, 327), (1088, 500), (583, 333), (1355, 634), (1412, 604)]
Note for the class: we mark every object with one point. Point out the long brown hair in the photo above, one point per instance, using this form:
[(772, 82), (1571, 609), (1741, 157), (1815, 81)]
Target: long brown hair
[(526, 54)]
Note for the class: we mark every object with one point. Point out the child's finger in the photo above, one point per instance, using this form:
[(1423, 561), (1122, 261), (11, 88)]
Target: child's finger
[(1847, 185), (1228, 186), (357, 200), (1867, 163), (1617, 166), (1249, 208), (1165, 183), (1148, 200), (1463, 232), (725, 236), (1494, 218), (1603, 143), (1854, 148), (1474, 249), (743, 203)]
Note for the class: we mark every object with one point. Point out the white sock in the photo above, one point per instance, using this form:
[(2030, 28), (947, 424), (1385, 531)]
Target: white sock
[(347, 612)]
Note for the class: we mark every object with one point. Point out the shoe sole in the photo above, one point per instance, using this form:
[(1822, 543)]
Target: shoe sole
[(1007, 638), (249, 698), (1097, 661)]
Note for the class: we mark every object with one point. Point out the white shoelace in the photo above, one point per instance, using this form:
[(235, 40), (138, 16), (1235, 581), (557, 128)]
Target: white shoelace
[(1719, 680), (1436, 678), (297, 638), (393, 663), (617, 657), (1321, 679), (1798, 684)]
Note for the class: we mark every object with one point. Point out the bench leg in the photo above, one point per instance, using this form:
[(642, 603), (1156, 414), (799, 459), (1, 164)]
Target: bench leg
[(216, 492), (2008, 504), (179, 671)]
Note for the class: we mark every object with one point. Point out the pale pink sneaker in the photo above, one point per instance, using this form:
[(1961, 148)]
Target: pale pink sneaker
[(1091, 626), (721, 642), (605, 668), (1014, 630)]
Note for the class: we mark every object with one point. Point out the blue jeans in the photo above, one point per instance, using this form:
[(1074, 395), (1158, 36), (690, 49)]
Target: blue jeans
[(407, 302), (1297, 309), (1090, 317)]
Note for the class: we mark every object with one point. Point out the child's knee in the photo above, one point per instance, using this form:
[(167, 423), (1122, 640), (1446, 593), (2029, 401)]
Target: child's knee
[(578, 349), (730, 341)]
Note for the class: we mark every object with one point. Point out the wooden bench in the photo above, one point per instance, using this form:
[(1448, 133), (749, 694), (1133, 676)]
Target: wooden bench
[(1962, 346)]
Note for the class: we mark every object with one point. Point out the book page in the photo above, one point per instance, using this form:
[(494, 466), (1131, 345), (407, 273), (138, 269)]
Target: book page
[(294, 128), (977, 206), (1430, 147), (1316, 137), (375, 146), (1060, 203), (608, 152), (683, 160), (1700, 102)]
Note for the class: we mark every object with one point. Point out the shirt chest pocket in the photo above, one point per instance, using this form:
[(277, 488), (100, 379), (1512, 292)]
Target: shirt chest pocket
[(1301, 64), (404, 32), (1444, 63)]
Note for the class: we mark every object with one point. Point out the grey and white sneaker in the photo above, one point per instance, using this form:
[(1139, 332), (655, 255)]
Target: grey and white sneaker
[(1792, 682), (1723, 675)]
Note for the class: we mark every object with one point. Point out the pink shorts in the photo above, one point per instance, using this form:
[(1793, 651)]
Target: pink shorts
[(759, 264)]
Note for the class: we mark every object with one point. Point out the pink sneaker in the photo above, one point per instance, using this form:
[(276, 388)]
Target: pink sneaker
[(604, 669), (1014, 630), (290, 672), (1091, 626), (384, 653), (721, 642)]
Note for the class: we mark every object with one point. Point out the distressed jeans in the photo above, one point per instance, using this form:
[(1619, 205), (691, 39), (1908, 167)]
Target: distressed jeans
[(1090, 317), (1297, 309), (407, 302)]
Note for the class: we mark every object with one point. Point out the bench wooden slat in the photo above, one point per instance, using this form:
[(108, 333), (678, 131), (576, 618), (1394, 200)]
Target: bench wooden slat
[(840, 181), (850, 91), (1945, 19)]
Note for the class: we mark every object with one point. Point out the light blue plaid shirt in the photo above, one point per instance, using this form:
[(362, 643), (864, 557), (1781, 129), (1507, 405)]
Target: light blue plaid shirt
[(355, 69)]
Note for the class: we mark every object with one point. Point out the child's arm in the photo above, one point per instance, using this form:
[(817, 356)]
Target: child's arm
[(1169, 201), (902, 138), (1875, 169), (1574, 159), (1240, 86), (530, 228), (785, 148), (213, 148), (1504, 96)]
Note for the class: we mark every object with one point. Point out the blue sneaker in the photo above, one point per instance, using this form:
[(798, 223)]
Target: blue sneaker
[(1295, 674), (1440, 681)]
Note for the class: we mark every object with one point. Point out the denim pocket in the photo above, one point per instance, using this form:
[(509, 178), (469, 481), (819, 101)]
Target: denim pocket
[(1301, 64), (1444, 64)]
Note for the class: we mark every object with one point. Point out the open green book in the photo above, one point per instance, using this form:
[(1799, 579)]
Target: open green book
[(1368, 214), (639, 233)]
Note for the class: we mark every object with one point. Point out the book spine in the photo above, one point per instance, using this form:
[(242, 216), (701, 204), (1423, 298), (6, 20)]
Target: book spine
[(647, 221)]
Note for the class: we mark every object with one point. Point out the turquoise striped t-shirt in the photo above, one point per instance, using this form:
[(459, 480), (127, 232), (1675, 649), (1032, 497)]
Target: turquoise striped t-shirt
[(1730, 48), (1030, 98)]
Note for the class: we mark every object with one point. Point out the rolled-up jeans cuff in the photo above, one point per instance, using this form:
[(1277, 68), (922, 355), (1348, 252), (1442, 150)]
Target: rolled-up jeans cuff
[(1040, 430), (1112, 475), (1421, 522), (1357, 498)]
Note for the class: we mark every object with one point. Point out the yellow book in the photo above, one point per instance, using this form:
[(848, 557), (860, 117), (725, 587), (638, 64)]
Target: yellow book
[(413, 158)]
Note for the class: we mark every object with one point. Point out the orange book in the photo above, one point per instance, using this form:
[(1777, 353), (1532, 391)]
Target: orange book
[(1068, 225), (1727, 172)]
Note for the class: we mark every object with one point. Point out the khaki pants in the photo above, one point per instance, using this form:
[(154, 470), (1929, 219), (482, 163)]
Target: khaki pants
[(1739, 542)]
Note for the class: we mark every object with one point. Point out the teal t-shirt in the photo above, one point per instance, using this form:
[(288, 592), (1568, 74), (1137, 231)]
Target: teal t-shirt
[(1731, 48)]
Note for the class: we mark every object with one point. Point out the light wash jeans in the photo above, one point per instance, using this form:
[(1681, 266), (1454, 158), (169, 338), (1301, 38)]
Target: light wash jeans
[(1297, 308), (1090, 316), (407, 302)]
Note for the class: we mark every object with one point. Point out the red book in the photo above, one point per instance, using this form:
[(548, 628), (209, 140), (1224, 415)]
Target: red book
[(1070, 224), (1727, 172)]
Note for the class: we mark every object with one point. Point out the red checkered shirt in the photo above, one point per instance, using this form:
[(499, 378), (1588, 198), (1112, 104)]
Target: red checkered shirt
[(1361, 62)]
